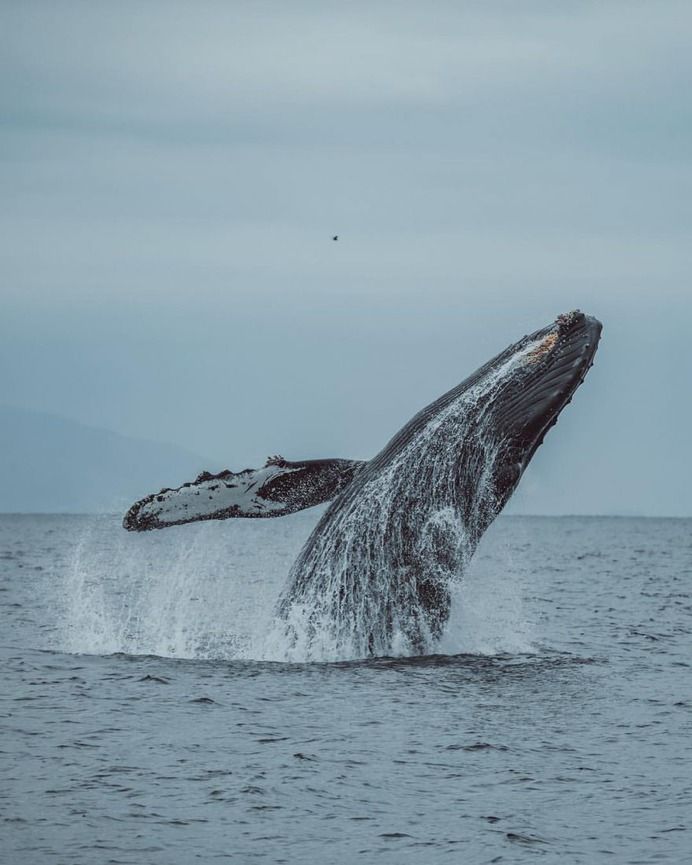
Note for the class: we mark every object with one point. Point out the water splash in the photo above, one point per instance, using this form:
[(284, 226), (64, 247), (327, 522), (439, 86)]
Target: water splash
[(209, 590), (488, 615), (392, 552), (204, 591)]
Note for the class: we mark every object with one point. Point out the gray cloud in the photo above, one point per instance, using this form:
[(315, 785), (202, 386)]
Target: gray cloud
[(173, 174)]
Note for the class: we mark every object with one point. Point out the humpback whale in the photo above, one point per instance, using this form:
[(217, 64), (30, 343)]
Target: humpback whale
[(377, 572)]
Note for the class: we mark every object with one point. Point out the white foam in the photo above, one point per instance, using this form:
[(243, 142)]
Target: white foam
[(200, 591), (209, 590)]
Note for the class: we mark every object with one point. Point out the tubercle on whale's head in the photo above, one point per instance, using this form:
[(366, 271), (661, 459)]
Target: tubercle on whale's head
[(566, 319), (561, 328)]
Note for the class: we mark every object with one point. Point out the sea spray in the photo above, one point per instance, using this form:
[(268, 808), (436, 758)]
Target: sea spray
[(203, 591), (208, 592), (379, 573), (362, 585)]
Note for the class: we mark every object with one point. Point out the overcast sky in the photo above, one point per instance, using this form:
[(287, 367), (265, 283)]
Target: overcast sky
[(172, 175)]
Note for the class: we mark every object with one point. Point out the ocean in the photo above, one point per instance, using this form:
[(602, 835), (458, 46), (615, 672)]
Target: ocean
[(150, 715)]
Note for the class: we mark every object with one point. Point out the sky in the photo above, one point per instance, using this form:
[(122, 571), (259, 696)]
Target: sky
[(172, 175)]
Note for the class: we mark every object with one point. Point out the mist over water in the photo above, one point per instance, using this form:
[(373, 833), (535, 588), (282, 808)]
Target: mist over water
[(146, 718)]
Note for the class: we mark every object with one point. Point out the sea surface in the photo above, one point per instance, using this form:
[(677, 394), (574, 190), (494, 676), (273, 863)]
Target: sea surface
[(148, 716)]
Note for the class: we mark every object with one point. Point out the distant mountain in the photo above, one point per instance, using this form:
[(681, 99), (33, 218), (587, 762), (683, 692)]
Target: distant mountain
[(51, 464)]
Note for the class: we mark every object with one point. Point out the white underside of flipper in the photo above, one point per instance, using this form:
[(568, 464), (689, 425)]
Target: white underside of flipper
[(278, 488), (239, 492)]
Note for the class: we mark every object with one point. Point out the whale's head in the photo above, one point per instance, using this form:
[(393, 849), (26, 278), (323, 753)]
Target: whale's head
[(551, 364), (536, 379)]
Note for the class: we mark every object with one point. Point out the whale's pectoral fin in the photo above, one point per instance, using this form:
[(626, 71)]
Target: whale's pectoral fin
[(280, 487)]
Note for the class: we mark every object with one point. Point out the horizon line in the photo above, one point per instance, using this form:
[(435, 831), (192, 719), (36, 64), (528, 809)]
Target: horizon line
[(625, 516)]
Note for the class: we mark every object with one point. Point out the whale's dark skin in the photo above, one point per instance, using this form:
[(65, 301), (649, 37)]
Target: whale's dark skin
[(462, 456)]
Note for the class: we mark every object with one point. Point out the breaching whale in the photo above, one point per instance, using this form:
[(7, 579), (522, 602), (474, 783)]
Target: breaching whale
[(376, 573)]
